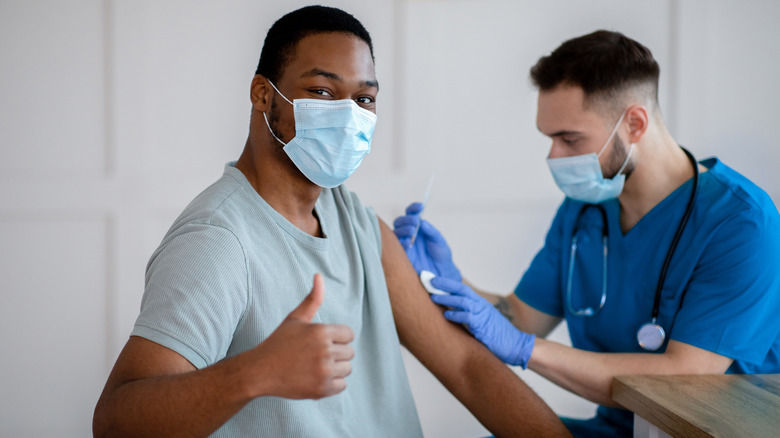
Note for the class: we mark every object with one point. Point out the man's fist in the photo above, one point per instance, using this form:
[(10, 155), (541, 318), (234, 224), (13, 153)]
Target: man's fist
[(311, 360)]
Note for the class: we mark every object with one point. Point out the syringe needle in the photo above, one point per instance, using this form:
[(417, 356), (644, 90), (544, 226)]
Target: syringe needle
[(424, 203)]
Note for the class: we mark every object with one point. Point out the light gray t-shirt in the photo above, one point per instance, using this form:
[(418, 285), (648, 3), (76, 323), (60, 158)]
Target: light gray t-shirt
[(229, 271)]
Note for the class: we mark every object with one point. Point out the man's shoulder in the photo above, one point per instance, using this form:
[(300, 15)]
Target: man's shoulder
[(349, 202), (343, 198), (222, 205), (736, 192), (217, 204)]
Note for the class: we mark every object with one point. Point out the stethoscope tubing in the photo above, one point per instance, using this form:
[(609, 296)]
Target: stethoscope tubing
[(589, 311), (677, 235)]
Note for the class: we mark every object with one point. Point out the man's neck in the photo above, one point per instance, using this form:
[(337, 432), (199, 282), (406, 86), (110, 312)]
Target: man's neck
[(281, 184), (662, 166)]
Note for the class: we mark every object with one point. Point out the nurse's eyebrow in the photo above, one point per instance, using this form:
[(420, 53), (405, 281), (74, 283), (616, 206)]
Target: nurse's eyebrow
[(333, 76), (562, 133)]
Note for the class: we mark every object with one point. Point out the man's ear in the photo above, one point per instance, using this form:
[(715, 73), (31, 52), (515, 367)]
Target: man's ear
[(260, 93), (638, 120)]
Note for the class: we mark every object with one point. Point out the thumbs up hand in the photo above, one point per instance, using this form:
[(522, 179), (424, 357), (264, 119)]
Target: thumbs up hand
[(308, 308), (307, 360)]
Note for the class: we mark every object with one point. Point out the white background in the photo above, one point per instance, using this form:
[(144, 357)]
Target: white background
[(114, 114)]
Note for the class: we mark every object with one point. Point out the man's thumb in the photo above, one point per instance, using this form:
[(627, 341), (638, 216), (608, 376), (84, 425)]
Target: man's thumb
[(309, 306)]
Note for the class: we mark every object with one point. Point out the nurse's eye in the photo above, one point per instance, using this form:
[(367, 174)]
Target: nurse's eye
[(570, 141)]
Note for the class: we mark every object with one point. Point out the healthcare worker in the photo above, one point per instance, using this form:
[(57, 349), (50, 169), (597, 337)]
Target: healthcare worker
[(658, 263)]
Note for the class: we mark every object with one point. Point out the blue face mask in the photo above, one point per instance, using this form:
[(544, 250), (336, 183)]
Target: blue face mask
[(580, 176), (331, 138)]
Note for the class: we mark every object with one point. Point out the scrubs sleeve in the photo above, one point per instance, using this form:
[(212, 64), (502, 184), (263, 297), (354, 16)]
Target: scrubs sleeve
[(540, 285), (196, 293), (733, 300)]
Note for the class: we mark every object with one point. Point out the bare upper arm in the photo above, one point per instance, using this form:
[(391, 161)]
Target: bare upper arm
[(421, 327), (154, 391), (484, 384), (141, 359)]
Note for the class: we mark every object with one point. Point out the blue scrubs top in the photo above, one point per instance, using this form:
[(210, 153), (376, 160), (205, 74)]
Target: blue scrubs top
[(722, 289)]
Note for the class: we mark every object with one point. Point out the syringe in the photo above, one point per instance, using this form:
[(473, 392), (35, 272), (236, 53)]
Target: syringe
[(424, 203), (426, 276)]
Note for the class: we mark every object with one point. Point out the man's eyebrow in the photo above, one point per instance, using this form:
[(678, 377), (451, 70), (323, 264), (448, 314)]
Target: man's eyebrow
[(374, 84), (319, 72), (562, 133), (330, 75)]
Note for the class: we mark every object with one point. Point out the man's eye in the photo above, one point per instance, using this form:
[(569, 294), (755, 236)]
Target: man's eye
[(365, 100), (322, 92)]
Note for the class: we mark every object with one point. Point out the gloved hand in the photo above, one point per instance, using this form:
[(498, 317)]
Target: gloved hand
[(429, 251), (484, 321)]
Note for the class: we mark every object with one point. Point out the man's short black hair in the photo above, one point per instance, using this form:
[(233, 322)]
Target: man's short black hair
[(284, 35), (602, 63)]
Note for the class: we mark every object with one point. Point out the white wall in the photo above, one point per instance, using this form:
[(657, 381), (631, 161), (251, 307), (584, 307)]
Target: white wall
[(115, 113)]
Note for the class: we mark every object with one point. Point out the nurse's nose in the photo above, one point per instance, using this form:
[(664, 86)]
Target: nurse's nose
[(558, 150)]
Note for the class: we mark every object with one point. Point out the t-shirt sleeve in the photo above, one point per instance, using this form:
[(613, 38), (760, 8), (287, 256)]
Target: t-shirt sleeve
[(732, 304), (196, 293), (540, 285), (363, 216)]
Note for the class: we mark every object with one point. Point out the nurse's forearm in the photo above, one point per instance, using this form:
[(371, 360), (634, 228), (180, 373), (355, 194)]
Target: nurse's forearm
[(581, 372), (502, 303), (521, 315), (499, 301), (590, 374), (490, 296)]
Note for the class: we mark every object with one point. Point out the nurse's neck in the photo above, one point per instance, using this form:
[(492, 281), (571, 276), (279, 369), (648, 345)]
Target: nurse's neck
[(660, 168)]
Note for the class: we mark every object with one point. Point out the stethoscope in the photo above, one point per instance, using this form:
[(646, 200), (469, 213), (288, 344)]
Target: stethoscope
[(650, 335)]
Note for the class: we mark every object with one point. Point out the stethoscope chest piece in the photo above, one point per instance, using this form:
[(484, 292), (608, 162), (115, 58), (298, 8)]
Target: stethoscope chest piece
[(651, 336)]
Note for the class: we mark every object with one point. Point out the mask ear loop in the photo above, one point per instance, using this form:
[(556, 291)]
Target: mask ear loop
[(628, 157), (266, 117), (272, 131), (288, 100), (612, 134)]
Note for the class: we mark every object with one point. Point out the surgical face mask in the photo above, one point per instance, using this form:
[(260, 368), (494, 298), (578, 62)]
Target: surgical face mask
[(331, 138), (580, 176)]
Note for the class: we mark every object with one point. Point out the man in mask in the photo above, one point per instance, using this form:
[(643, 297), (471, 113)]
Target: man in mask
[(659, 264), (267, 308)]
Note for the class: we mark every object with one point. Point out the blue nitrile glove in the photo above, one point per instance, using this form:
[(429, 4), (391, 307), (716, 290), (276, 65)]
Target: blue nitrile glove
[(429, 251), (486, 323)]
